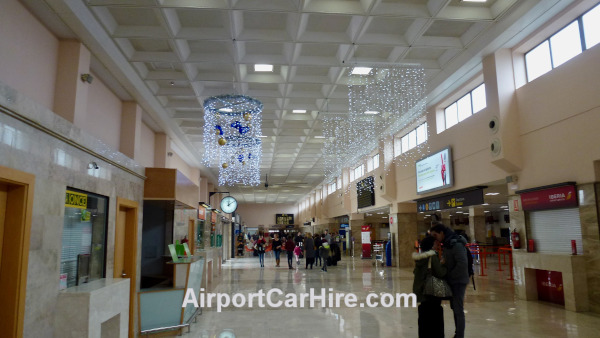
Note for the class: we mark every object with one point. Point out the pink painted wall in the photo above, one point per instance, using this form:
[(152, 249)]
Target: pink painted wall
[(255, 214), (147, 147), (103, 117), (176, 162), (28, 53)]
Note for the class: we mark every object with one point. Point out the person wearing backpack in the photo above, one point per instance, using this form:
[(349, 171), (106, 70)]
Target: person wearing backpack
[(457, 276)]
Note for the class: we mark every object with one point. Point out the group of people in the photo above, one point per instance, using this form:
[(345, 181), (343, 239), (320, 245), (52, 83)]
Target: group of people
[(452, 266), (317, 250)]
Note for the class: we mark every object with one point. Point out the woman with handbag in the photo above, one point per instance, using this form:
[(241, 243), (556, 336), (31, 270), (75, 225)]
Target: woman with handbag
[(429, 273)]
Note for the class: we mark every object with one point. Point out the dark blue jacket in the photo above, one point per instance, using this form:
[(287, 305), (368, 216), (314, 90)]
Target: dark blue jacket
[(456, 258)]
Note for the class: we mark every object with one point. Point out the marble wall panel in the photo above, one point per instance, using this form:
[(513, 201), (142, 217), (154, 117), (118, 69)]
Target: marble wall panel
[(57, 165)]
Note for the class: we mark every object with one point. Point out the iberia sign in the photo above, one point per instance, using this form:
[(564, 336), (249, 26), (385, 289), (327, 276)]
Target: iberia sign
[(560, 197), (75, 200)]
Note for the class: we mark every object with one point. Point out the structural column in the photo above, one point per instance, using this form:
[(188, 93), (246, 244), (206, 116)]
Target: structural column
[(356, 223), (70, 93), (403, 226), (131, 130), (477, 229)]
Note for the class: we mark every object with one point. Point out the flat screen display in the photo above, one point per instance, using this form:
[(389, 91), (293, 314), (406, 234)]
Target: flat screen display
[(434, 172)]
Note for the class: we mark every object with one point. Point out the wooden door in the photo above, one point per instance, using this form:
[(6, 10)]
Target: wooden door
[(126, 251), (16, 206)]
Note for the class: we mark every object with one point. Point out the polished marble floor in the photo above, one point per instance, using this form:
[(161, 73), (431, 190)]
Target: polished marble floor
[(491, 311)]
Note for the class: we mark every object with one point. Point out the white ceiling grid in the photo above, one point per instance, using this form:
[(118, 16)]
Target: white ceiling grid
[(185, 51)]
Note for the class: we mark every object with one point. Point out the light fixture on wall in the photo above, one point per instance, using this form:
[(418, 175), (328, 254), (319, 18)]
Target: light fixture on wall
[(232, 133), (93, 165)]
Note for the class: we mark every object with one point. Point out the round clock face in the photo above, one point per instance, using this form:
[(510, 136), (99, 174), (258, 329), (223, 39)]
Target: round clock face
[(228, 204)]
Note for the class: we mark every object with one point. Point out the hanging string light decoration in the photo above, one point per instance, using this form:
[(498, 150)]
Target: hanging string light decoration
[(232, 130), (382, 103)]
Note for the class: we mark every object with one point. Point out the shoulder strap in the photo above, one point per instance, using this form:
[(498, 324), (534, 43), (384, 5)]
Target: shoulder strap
[(429, 263)]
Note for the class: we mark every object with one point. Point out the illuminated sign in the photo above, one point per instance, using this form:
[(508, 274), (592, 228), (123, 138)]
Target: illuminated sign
[(284, 219), (434, 172)]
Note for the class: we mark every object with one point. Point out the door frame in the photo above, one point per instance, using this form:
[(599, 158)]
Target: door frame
[(130, 252), (13, 285)]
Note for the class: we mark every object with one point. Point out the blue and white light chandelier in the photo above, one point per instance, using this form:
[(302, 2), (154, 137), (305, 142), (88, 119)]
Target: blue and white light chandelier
[(232, 130)]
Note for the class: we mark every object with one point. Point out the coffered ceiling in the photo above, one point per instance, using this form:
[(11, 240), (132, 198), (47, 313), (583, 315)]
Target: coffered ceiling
[(170, 55)]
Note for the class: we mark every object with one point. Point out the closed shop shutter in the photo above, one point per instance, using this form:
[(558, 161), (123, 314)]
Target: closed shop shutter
[(553, 230)]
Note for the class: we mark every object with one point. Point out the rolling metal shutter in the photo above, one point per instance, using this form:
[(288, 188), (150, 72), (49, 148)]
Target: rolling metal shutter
[(553, 230)]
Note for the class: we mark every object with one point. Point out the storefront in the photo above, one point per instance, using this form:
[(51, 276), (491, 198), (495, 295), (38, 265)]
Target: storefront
[(550, 264)]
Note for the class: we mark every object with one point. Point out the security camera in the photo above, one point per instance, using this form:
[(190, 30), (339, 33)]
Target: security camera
[(87, 78)]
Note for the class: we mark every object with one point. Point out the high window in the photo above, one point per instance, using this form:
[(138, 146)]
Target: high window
[(409, 141), (578, 36), (359, 171), (471, 103)]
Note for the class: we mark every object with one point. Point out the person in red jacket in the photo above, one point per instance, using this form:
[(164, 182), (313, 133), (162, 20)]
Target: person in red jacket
[(289, 247)]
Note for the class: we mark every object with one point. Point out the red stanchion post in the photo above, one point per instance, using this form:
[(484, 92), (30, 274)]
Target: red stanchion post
[(510, 264), (482, 264), (499, 260)]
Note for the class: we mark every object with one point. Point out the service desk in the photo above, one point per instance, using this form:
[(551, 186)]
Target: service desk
[(96, 309), (573, 271)]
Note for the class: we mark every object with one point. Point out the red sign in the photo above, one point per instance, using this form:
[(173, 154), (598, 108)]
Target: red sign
[(201, 213), (550, 286), (365, 228), (213, 217), (561, 197), (516, 205)]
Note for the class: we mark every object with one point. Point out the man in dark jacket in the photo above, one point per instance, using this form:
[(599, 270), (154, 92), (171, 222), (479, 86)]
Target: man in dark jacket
[(455, 257)]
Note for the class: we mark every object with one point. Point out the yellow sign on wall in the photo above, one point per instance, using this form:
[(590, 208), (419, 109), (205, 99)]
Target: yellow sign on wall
[(76, 200)]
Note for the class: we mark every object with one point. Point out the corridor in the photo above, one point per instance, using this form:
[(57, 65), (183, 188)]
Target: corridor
[(492, 309)]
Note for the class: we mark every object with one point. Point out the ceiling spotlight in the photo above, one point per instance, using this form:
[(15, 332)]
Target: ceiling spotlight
[(319, 136), (361, 70), (226, 110), (263, 68), (371, 112), (299, 111)]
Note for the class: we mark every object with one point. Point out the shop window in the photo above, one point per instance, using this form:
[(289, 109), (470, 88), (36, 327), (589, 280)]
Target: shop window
[(83, 254)]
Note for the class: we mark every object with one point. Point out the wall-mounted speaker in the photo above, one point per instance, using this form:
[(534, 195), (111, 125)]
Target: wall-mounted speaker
[(495, 147), (494, 125)]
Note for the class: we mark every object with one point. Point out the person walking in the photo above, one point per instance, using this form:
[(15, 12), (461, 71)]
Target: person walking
[(431, 312), (324, 252), (277, 244), (260, 245), (317, 241), (289, 247), (309, 251), (456, 261)]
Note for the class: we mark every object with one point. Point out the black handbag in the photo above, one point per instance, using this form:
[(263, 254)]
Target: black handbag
[(436, 287)]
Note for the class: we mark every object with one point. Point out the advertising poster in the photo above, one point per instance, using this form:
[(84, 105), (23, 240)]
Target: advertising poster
[(434, 172)]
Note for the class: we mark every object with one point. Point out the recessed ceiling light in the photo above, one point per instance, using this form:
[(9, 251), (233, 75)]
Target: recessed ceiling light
[(263, 68), (299, 111), (319, 136), (361, 70), (371, 112), (492, 193), (226, 110), (262, 136), (485, 204)]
